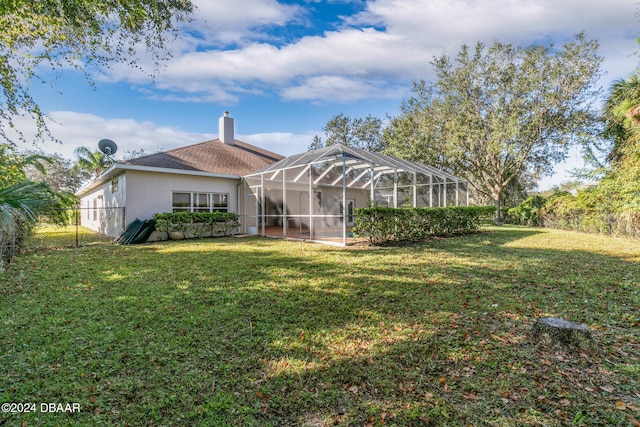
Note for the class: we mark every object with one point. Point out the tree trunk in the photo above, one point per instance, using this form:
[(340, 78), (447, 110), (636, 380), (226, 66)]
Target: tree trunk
[(498, 204)]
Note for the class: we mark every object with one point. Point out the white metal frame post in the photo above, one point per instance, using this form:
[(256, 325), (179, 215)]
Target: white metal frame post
[(430, 191), (373, 186), (285, 226), (395, 188), (344, 201), (262, 206), (444, 187), (415, 189), (311, 198)]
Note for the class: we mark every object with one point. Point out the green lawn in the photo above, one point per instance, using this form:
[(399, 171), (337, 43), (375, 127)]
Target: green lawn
[(259, 332)]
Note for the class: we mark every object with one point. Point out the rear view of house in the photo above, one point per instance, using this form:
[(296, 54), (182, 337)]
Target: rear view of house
[(308, 196), (200, 177)]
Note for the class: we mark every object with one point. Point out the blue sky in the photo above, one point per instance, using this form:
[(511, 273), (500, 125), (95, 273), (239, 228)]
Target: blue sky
[(284, 68)]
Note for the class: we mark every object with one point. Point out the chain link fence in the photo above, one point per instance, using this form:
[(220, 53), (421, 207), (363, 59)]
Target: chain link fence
[(85, 226)]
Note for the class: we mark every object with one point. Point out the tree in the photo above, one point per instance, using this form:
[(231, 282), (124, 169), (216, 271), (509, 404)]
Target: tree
[(37, 37), (501, 114), (360, 133), (91, 163), (57, 172), (13, 165), (21, 204), (622, 116), (621, 182)]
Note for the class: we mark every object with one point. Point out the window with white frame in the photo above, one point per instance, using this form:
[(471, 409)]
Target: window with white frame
[(199, 202)]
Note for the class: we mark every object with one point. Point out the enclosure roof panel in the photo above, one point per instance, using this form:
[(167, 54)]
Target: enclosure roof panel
[(355, 158)]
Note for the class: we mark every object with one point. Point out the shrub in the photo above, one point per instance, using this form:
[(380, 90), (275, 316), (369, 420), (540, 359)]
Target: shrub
[(197, 224), (21, 205), (528, 212), (593, 210), (386, 225)]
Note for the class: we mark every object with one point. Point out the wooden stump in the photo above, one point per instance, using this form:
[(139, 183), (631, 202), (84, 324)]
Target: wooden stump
[(563, 332)]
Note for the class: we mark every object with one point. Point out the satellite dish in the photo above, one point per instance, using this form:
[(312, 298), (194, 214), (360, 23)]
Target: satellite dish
[(107, 146)]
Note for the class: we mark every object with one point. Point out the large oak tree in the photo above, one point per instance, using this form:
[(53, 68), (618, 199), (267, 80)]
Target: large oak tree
[(501, 114)]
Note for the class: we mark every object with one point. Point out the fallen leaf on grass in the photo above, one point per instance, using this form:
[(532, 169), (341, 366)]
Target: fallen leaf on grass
[(470, 396), (509, 395), (621, 405), (560, 414)]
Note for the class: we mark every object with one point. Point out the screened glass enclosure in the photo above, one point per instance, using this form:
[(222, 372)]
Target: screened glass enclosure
[(312, 196)]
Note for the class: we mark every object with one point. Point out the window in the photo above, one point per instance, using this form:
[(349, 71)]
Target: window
[(200, 202), (181, 202), (114, 185), (220, 202), (98, 203)]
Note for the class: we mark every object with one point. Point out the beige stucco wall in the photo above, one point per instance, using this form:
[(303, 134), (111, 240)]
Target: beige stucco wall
[(145, 193), (101, 210), (150, 192)]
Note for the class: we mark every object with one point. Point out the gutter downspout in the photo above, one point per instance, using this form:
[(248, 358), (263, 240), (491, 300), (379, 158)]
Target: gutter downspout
[(243, 226)]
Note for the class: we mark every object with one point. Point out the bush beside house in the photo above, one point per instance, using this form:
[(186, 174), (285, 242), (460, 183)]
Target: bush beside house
[(195, 224)]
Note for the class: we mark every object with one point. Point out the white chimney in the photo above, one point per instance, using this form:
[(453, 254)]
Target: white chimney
[(226, 129)]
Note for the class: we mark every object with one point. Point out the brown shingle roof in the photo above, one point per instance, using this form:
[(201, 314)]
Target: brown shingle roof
[(212, 156)]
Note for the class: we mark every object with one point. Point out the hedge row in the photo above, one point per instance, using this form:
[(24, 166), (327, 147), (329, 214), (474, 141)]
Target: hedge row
[(588, 212), (197, 224), (571, 213), (388, 225)]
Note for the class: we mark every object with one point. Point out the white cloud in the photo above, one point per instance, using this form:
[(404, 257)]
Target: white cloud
[(369, 57), (346, 53), (81, 129), (451, 22), (284, 143), (75, 129), (232, 21), (391, 41), (340, 89)]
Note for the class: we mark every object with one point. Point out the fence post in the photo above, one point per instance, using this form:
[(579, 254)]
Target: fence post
[(77, 220)]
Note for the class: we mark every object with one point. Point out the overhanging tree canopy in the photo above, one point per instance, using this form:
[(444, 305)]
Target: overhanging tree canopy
[(55, 34)]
